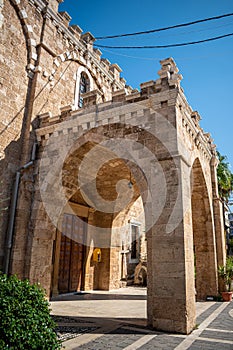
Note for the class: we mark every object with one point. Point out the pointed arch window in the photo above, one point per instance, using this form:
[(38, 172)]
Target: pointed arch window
[(84, 86)]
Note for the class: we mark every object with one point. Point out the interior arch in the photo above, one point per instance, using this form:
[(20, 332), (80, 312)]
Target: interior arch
[(203, 235)]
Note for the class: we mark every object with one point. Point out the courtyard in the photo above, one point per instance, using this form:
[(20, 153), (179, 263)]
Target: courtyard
[(116, 320)]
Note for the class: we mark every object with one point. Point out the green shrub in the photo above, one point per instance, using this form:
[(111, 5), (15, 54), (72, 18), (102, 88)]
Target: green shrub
[(226, 272), (25, 321)]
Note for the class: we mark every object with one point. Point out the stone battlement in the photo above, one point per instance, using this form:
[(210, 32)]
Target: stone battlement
[(162, 94), (168, 80)]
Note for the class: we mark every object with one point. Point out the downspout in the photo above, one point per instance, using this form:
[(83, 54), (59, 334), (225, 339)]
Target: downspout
[(10, 230), (11, 223)]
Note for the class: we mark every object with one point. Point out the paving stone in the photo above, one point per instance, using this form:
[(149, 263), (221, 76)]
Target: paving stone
[(111, 341), (218, 335), (128, 331), (224, 320), (205, 345), (206, 313), (163, 342)]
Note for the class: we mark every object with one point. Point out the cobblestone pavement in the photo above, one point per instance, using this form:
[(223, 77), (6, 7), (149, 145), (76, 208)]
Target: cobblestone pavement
[(116, 320)]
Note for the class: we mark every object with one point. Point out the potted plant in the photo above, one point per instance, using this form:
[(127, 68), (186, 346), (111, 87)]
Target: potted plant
[(226, 273)]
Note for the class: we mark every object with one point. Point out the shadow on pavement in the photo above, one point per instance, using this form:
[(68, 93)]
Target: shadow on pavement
[(93, 296)]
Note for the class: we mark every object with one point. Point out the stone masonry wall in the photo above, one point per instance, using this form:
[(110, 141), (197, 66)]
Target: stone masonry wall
[(40, 58), (13, 90)]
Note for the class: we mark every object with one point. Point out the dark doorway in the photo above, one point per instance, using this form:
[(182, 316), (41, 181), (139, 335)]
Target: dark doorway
[(72, 254)]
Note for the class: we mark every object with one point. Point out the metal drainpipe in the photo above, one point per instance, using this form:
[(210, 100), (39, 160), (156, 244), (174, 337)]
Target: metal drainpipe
[(10, 229), (11, 223)]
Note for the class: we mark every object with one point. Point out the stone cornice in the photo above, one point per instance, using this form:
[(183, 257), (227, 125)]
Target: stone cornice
[(86, 117), (200, 139), (40, 5)]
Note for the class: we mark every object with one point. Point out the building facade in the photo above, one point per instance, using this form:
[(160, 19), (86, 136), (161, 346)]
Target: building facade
[(99, 177), (230, 218)]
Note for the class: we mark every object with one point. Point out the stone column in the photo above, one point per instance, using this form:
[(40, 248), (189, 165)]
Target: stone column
[(218, 215), (171, 293), (99, 236), (89, 266)]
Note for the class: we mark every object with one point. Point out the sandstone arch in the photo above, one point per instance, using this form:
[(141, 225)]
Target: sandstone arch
[(154, 128), (203, 233), (158, 131)]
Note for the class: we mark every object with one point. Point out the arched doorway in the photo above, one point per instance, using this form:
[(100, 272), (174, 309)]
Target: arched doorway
[(72, 254), (106, 174), (115, 233), (203, 236)]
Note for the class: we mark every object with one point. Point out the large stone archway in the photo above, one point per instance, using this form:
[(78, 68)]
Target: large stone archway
[(151, 139), (204, 238), (106, 227)]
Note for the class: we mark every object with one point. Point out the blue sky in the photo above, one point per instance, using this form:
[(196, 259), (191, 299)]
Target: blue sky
[(207, 68)]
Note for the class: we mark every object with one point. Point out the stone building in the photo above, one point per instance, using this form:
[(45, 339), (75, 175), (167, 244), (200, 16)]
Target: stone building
[(104, 175), (230, 217)]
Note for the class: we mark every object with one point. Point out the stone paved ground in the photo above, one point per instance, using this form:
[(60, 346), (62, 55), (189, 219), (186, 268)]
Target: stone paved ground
[(116, 320)]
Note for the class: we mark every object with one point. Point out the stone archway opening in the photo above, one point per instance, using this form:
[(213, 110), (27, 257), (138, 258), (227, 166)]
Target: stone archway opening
[(96, 174), (102, 237), (203, 236)]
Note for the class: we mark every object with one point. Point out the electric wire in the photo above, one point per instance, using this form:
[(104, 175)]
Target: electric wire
[(165, 46), (164, 28), (185, 32), (183, 58)]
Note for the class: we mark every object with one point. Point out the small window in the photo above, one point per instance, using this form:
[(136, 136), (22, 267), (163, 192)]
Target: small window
[(84, 86), (135, 242)]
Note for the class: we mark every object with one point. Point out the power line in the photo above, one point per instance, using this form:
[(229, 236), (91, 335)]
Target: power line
[(190, 31), (165, 46), (183, 58), (164, 28)]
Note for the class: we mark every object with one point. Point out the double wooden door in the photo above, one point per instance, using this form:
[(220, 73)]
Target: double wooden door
[(72, 254)]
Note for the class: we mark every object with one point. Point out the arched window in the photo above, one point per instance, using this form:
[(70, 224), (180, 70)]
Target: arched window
[(84, 86), (84, 83)]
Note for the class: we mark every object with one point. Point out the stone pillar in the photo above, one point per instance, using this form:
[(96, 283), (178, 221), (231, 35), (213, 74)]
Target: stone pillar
[(204, 235), (115, 264), (171, 293), (218, 215), (89, 266)]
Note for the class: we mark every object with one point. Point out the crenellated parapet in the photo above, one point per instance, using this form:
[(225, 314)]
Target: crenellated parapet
[(79, 45), (190, 129), (164, 95), (169, 72)]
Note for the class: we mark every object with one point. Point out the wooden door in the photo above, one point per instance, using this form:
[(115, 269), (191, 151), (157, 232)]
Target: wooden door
[(72, 251)]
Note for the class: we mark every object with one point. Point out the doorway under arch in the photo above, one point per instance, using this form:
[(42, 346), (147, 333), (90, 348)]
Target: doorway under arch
[(108, 232)]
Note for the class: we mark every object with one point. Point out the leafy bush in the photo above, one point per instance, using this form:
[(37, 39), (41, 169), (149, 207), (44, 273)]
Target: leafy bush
[(226, 272), (25, 321)]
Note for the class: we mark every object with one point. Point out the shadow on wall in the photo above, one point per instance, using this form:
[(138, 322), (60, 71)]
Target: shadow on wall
[(9, 167)]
